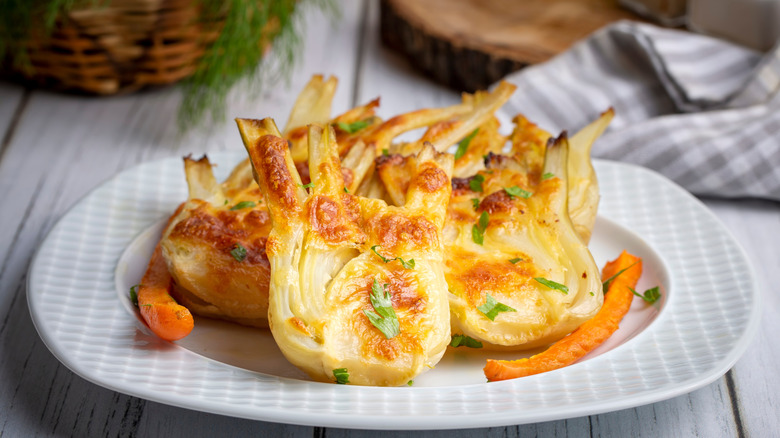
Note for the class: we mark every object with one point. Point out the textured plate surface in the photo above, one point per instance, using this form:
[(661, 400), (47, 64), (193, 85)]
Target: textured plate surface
[(709, 314)]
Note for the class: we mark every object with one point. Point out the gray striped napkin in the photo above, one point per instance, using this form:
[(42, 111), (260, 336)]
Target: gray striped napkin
[(703, 112)]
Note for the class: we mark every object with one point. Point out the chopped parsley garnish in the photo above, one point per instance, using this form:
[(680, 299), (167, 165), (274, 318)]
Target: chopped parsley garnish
[(306, 186), (492, 308), (410, 383), (243, 204), (592, 294), (238, 252), (552, 284), (608, 281), (226, 202), (383, 316), (465, 341), (351, 128), (547, 175), (475, 183), (515, 191), (346, 190), (650, 296), (386, 152), (384, 259), (515, 260), (478, 229), (134, 294), (406, 264), (463, 145), (475, 203), (341, 375)]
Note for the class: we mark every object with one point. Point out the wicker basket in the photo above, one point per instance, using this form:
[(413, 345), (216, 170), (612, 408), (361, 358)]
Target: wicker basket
[(121, 47)]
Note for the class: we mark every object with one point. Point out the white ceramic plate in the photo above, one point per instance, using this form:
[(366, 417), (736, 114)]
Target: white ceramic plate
[(79, 280)]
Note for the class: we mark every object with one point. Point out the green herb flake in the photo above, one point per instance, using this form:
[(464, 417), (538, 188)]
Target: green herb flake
[(346, 190), (243, 204), (552, 284), (341, 375), (475, 183), (226, 202), (548, 175), (383, 316), (592, 294), (492, 308), (477, 236), (386, 152), (410, 383), (478, 229), (406, 264), (516, 260), (608, 281), (384, 259), (464, 341), (484, 220), (134, 294), (515, 191), (475, 203), (650, 296), (238, 252), (146, 305), (306, 186), (351, 128), (463, 145)]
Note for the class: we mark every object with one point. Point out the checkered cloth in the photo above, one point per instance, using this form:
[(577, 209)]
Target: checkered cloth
[(703, 112)]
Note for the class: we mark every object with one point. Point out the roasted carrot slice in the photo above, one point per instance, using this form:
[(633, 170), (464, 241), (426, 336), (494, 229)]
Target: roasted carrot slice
[(621, 275), (166, 318)]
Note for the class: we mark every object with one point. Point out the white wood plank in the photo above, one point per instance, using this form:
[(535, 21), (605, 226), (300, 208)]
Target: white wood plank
[(704, 413), (12, 96), (161, 420), (756, 225)]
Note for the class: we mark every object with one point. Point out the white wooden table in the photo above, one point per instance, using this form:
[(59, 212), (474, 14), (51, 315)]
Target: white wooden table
[(55, 148)]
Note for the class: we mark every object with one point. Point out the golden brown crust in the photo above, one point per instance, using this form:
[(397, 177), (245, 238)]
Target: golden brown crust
[(439, 129), (281, 186), (397, 232), (431, 178), (334, 222), (220, 230), (478, 276), (499, 202)]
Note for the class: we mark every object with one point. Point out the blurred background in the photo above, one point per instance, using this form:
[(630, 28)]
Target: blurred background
[(114, 47)]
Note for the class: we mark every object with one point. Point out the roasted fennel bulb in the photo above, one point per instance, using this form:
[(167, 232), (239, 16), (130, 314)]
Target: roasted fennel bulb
[(357, 291), (214, 246), (519, 276)]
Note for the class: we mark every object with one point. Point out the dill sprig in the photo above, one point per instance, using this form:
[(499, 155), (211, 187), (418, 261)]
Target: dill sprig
[(238, 53)]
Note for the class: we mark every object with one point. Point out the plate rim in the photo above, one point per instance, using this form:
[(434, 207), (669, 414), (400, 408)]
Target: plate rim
[(410, 422)]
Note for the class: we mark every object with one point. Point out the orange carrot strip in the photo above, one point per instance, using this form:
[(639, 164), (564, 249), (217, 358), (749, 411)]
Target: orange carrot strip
[(589, 335), (166, 318)]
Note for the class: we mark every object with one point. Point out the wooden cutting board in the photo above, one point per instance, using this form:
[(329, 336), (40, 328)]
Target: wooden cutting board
[(470, 44)]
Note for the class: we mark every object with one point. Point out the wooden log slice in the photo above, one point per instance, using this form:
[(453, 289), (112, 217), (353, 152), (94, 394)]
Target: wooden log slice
[(470, 44)]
